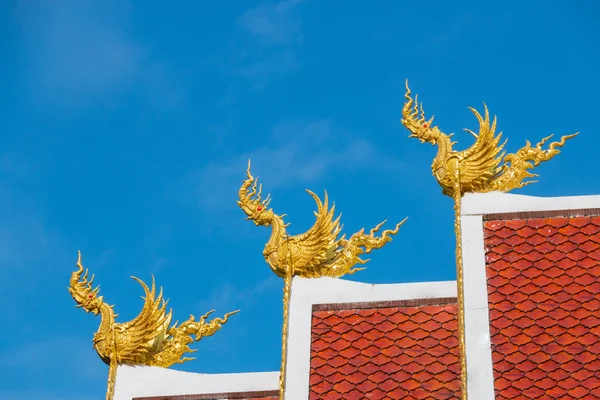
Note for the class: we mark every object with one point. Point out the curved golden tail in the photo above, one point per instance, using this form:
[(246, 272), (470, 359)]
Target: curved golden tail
[(360, 243)]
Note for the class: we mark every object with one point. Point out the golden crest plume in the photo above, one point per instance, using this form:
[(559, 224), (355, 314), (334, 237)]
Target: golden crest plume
[(148, 339)]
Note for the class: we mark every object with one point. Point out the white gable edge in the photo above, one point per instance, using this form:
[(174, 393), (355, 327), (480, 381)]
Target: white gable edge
[(144, 381), (501, 203), (308, 292), (480, 374)]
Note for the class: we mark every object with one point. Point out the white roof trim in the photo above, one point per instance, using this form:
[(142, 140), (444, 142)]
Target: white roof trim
[(308, 292), (500, 203), (143, 381), (480, 373)]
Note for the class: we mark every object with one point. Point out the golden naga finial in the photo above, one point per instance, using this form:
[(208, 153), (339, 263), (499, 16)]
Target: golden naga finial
[(146, 340), (316, 253), (483, 167)]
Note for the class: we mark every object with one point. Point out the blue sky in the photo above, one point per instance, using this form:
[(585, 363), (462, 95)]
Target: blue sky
[(126, 127)]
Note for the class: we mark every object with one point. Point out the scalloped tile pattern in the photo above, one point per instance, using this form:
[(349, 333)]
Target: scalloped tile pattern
[(385, 353), (544, 298)]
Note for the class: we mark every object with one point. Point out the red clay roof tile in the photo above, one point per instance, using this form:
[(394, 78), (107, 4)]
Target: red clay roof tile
[(385, 353), (544, 296)]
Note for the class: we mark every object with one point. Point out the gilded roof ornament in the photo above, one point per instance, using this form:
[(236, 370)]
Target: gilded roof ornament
[(318, 252), (148, 339), (483, 167)]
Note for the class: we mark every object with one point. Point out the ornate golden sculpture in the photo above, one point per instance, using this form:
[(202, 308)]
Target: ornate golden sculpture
[(145, 340), (483, 167), (316, 253)]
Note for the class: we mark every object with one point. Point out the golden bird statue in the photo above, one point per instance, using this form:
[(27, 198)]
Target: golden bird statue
[(318, 252), (148, 339), (483, 167)]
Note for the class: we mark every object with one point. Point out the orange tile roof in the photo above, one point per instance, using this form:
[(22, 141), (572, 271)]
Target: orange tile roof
[(391, 352), (544, 300)]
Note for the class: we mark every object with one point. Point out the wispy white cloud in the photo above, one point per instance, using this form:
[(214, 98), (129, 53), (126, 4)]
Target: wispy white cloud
[(78, 49), (440, 40), (262, 70), (444, 37), (268, 38), (300, 153), (276, 23)]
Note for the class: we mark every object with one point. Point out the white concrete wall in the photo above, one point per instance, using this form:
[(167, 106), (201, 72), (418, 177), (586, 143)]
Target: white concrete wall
[(308, 292), (480, 377), (142, 381)]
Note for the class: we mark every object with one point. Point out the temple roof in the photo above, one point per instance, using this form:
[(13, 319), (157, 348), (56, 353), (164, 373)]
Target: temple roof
[(531, 269)]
